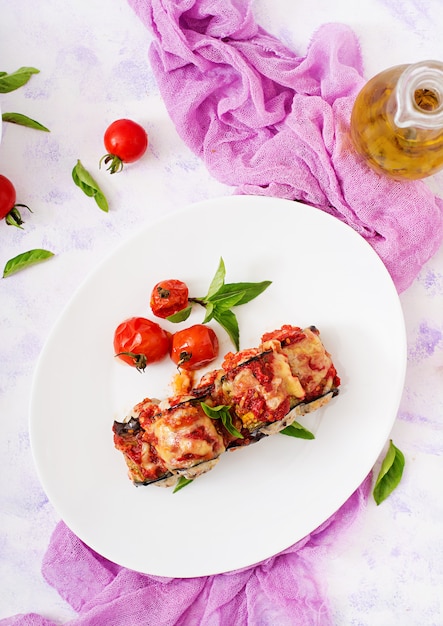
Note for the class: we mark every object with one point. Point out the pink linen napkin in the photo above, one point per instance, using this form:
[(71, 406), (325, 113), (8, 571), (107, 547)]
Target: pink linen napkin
[(266, 122)]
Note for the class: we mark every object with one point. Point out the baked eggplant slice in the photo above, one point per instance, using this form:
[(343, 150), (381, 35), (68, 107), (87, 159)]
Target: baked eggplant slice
[(144, 465), (261, 391)]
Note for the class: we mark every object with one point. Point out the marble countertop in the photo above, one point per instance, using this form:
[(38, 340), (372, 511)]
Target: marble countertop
[(388, 567)]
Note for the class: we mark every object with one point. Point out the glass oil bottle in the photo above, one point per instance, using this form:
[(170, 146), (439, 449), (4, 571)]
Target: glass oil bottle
[(397, 121)]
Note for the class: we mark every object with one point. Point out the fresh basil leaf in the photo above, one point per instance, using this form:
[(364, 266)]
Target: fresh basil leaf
[(31, 257), (101, 201), (218, 280), (209, 314), (180, 316), (249, 291), (214, 412), (232, 430), (83, 179), (223, 413), (89, 191), (229, 322), (23, 120), (390, 473), (11, 82), (182, 482), (297, 430), (226, 302)]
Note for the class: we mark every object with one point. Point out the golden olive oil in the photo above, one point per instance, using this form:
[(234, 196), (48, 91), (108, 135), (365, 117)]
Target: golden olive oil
[(402, 149)]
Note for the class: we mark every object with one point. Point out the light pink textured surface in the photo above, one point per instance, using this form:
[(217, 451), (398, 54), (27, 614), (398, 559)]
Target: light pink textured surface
[(94, 69)]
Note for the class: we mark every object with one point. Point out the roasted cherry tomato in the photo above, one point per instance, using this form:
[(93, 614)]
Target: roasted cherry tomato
[(139, 342), (8, 206), (194, 347), (125, 142), (169, 297)]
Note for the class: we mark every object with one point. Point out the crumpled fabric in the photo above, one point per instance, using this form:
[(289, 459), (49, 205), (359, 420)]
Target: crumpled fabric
[(269, 122), (285, 590)]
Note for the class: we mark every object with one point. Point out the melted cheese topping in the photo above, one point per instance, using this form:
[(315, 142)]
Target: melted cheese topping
[(185, 436), (285, 379), (262, 393), (310, 362)]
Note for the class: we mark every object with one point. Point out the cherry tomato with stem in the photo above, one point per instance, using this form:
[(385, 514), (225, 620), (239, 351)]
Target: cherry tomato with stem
[(139, 342), (169, 297), (125, 142), (8, 206), (194, 347)]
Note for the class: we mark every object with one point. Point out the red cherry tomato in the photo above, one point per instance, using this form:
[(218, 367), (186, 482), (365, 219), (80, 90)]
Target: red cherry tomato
[(7, 196), (194, 347), (139, 342), (125, 142), (169, 297), (8, 207)]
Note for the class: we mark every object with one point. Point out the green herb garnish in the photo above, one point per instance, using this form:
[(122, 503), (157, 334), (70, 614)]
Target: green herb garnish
[(219, 301), (222, 413), (390, 473), (297, 430), (83, 179), (182, 482), (31, 257), (11, 82), (23, 120)]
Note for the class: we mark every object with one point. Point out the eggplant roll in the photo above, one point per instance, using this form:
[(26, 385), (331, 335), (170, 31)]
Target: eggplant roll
[(261, 390)]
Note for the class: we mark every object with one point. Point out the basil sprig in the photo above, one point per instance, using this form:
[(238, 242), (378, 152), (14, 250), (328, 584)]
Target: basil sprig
[(390, 473), (11, 82), (222, 413), (83, 179), (31, 257), (220, 299), (297, 430)]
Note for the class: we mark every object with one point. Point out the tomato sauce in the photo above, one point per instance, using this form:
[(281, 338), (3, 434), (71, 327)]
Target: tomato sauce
[(263, 371), (287, 335), (253, 402)]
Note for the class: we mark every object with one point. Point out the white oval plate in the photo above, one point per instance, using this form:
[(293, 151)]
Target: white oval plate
[(256, 501)]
